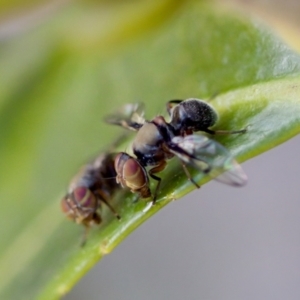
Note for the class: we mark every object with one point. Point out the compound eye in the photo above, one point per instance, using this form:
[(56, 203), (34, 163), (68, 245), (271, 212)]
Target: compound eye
[(66, 207), (134, 174), (84, 198), (81, 204), (129, 172), (118, 162)]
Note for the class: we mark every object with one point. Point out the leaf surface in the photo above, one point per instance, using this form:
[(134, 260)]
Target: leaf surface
[(62, 78)]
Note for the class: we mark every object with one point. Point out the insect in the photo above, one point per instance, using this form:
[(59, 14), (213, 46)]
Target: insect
[(157, 141), (92, 186)]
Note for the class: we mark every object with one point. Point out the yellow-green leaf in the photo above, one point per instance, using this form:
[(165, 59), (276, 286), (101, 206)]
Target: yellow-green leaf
[(60, 79)]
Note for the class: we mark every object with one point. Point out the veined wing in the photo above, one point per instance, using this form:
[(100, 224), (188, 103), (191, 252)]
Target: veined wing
[(210, 157), (129, 116)]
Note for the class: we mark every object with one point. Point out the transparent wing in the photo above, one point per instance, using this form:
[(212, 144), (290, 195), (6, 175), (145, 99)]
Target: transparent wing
[(129, 116), (209, 157)]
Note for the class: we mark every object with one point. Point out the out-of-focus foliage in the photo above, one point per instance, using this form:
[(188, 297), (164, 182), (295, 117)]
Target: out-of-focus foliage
[(59, 79)]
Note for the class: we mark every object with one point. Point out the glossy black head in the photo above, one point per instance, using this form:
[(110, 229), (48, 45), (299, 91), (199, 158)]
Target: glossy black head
[(192, 115)]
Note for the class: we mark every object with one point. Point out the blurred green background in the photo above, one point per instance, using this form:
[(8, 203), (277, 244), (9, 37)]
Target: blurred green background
[(65, 64)]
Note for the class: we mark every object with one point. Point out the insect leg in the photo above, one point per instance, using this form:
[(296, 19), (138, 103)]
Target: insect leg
[(157, 169), (112, 209), (87, 225), (101, 197), (186, 171)]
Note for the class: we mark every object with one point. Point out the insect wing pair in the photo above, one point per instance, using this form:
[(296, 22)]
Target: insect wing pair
[(209, 157), (130, 116)]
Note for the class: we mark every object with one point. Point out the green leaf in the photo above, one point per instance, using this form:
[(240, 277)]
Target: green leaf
[(63, 77)]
